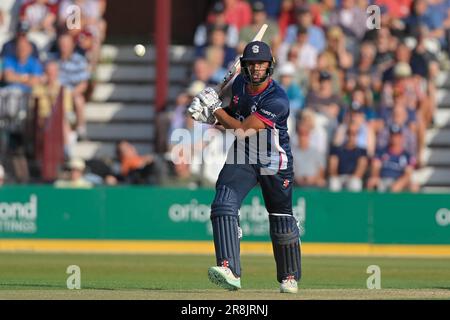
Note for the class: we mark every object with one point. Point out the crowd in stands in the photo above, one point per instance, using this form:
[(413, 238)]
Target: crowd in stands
[(361, 98), (47, 48)]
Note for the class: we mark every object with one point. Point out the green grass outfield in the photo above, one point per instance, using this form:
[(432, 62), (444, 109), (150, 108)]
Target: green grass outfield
[(126, 276)]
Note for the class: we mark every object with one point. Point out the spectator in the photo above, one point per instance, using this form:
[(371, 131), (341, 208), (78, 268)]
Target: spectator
[(91, 33), (286, 73), (336, 46), (295, 95), (74, 74), (364, 64), (322, 11), (384, 57), (399, 117), (76, 178), (286, 17), (309, 163), (100, 172), (326, 62), (325, 103), (202, 71), (215, 56), (316, 37), (317, 133), (216, 19), (10, 47), (22, 71), (301, 51), (271, 7), (136, 168), (8, 19), (392, 168), (422, 13), (238, 13), (41, 16), (47, 94), (365, 137), (271, 36), (397, 9), (348, 163), (218, 41), (351, 19)]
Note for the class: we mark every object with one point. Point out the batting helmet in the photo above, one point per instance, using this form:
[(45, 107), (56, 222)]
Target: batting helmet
[(256, 51)]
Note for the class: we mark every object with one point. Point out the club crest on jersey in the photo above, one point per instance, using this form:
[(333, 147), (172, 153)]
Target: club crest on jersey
[(255, 48), (285, 183)]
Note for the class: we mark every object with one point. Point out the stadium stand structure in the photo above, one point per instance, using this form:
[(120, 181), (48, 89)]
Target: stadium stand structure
[(435, 176), (122, 102)]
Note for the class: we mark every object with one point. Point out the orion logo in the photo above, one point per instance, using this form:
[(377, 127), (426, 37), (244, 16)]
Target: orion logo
[(255, 49), (443, 217)]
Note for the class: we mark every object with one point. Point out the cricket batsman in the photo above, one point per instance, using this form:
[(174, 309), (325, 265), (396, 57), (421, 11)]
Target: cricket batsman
[(259, 107)]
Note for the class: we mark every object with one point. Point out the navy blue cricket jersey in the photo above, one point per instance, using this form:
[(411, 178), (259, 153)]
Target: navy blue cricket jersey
[(272, 107)]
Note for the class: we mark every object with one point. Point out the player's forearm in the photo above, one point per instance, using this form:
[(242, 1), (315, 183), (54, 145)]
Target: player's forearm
[(241, 131), (227, 121)]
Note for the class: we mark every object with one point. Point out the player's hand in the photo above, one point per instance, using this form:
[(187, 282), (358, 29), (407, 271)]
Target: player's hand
[(209, 98), (200, 112)]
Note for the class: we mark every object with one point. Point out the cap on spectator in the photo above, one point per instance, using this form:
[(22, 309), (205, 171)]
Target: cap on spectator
[(258, 6), (287, 69), (77, 164), (195, 88), (218, 7), (395, 129), (304, 8), (23, 27), (402, 70), (324, 75)]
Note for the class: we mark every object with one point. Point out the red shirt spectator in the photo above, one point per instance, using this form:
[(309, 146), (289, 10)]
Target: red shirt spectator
[(397, 9), (287, 17), (238, 13)]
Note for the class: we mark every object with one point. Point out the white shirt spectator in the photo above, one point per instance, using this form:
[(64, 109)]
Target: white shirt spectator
[(306, 55)]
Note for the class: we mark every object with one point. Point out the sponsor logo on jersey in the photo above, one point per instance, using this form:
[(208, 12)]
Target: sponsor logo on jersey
[(271, 114)]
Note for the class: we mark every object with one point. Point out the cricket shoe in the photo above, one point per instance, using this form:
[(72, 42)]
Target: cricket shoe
[(289, 285), (224, 277)]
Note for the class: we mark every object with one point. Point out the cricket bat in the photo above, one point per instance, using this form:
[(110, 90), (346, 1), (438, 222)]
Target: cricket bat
[(236, 67)]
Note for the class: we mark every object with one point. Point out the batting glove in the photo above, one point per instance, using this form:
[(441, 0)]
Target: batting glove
[(200, 112), (209, 98)]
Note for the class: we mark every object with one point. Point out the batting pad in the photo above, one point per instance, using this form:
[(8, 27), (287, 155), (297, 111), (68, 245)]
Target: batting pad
[(225, 223), (286, 245)]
